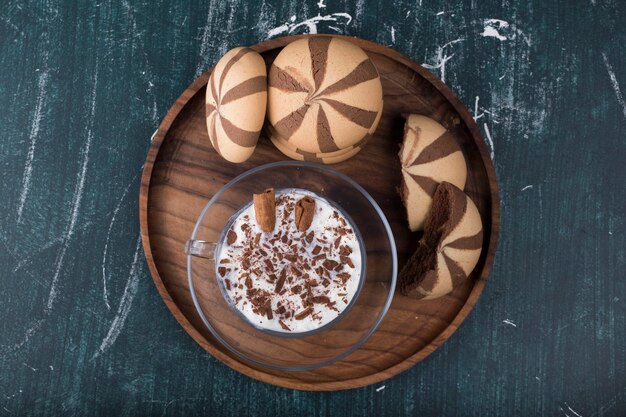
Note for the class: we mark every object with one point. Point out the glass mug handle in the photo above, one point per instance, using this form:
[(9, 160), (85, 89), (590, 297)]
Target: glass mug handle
[(201, 249)]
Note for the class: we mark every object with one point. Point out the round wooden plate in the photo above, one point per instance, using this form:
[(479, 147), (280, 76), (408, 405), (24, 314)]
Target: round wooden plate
[(182, 172)]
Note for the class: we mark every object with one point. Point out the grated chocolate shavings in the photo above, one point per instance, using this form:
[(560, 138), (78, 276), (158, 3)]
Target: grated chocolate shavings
[(320, 299), (330, 264), (344, 276), (301, 315), (280, 282), (231, 237), (346, 260)]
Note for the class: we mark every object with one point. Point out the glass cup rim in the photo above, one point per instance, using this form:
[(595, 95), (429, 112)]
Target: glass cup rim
[(381, 215)]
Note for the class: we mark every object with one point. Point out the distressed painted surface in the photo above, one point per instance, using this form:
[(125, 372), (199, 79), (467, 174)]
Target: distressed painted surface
[(83, 86)]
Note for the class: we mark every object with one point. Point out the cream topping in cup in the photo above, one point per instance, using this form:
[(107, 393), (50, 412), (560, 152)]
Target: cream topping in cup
[(288, 280)]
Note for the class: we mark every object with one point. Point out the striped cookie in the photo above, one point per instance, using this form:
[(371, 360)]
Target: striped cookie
[(429, 155), (324, 94), (449, 249), (286, 144), (335, 157), (359, 144), (309, 157), (236, 98)]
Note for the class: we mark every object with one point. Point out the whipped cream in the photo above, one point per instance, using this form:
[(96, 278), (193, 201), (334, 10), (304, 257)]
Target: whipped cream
[(287, 280)]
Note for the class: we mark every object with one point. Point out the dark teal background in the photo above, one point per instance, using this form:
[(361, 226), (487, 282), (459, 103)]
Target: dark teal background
[(83, 85)]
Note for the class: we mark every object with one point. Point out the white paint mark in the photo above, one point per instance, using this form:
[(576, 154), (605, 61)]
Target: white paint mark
[(309, 24), (537, 378), (321, 4), (528, 187), (34, 328), (77, 197), (610, 233), (205, 42), (441, 58), (154, 111), (379, 389), (51, 367), (440, 13), (393, 35), (153, 135), (34, 134), (492, 32), (509, 322), (29, 367), (502, 77), (358, 9), (614, 83), (407, 14), (489, 140), (69, 231), (33, 255), (335, 28), (502, 30), (572, 410), (476, 115), (7, 410), (130, 291), (105, 293)]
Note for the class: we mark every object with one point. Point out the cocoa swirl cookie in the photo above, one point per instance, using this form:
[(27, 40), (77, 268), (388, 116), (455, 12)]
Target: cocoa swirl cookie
[(299, 155), (321, 158), (449, 249), (324, 94), (236, 100), (429, 155)]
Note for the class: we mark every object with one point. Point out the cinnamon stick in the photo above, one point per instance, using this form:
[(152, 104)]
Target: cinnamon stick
[(265, 209), (305, 210)]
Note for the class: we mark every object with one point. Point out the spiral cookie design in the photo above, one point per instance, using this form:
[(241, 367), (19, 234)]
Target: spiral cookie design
[(324, 94), (236, 99), (429, 155), (449, 249), (319, 158)]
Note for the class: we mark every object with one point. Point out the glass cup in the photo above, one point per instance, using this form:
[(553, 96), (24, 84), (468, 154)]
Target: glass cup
[(305, 350)]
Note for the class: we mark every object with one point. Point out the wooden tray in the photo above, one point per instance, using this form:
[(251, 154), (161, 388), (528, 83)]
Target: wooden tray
[(182, 171)]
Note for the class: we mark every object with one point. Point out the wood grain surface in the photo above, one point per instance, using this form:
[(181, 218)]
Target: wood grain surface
[(84, 85), (182, 172)]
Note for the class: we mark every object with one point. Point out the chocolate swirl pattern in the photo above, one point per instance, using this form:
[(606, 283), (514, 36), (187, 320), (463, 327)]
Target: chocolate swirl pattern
[(237, 86), (449, 249), (321, 158), (318, 158), (324, 94), (429, 155)]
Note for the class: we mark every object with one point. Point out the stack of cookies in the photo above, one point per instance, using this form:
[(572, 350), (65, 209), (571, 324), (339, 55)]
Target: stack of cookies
[(434, 173), (325, 99)]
